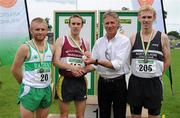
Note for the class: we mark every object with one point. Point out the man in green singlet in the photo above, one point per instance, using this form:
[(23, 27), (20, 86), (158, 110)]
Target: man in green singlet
[(32, 70)]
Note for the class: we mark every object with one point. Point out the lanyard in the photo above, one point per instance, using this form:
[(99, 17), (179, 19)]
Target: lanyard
[(76, 44), (142, 42), (41, 59)]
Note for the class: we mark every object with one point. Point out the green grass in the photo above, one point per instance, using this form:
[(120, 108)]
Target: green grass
[(171, 104), (8, 96), (9, 91)]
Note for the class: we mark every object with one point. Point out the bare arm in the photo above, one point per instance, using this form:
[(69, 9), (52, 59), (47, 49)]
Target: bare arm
[(132, 39), (166, 51), (88, 67), (20, 56), (91, 60), (57, 54), (76, 70), (52, 50), (105, 63), (121, 56)]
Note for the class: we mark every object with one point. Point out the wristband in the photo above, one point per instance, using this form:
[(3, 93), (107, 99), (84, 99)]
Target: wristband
[(96, 62)]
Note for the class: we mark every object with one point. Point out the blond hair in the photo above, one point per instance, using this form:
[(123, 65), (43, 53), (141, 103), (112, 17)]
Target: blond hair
[(39, 20), (147, 8)]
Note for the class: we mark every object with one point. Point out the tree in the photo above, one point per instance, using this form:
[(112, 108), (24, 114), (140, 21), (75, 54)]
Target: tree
[(165, 14), (49, 26), (174, 33)]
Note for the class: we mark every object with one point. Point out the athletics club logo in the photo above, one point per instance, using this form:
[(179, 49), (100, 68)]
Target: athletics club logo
[(7, 3), (145, 2)]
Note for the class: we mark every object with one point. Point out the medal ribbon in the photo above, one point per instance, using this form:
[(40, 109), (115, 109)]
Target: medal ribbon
[(142, 41), (76, 43), (41, 59)]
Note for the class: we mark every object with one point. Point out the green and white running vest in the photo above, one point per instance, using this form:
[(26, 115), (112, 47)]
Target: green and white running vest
[(32, 73)]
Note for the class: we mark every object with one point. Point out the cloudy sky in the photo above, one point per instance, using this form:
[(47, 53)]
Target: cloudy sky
[(45, 8), (173, 14)]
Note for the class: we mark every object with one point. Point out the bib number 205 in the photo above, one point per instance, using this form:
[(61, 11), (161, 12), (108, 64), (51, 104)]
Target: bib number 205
[(145, 68)]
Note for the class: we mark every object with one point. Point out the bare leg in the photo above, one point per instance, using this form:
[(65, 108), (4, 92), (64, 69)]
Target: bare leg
[(25, 113), (64, 109), (80, 108), (42, 113)]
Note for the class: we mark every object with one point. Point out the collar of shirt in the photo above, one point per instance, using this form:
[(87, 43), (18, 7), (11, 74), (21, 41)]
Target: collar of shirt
[(114, 38), (114, 52)]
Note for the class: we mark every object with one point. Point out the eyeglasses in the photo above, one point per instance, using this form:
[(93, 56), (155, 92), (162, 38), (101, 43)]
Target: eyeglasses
[(107, 54), (108, 51)]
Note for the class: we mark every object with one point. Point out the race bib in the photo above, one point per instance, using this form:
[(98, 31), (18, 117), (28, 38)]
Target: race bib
[(41, 77), (75, 61), (149, 67)]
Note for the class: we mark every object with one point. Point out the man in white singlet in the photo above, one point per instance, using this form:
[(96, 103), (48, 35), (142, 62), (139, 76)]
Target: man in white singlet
[(32, 70)]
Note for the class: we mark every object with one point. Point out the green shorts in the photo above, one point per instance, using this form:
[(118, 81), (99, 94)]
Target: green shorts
[(33, 98)]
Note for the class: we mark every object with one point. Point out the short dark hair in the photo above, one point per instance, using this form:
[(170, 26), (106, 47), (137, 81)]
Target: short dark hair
[(76, 16)]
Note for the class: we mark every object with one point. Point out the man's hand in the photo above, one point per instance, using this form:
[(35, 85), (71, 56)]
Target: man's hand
[(89, 61), (87, 54), (78, 71)]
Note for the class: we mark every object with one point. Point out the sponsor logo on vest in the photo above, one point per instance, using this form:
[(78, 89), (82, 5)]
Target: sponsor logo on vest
[(155, 45), (145, 2), (7, 3), (35, 57)]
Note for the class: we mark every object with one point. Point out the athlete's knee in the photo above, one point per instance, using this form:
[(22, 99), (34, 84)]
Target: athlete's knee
[(79, 116), (64, 116)]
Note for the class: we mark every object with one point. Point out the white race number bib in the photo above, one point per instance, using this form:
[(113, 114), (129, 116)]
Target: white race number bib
[(149, 67), (75, 61)]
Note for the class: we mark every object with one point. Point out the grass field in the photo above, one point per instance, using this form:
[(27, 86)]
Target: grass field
[(9, 91), (171, 104)]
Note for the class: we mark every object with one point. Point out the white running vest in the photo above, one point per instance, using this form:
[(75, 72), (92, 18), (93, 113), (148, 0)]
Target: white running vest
[(32, 75)]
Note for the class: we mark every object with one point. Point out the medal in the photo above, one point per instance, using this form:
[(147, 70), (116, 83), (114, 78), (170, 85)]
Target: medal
[(145, 50), (145, 59), (41, 59), (41, 70), (84, 57)]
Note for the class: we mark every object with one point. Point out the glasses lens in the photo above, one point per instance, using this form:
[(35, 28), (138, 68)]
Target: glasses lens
[(107, 55)]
